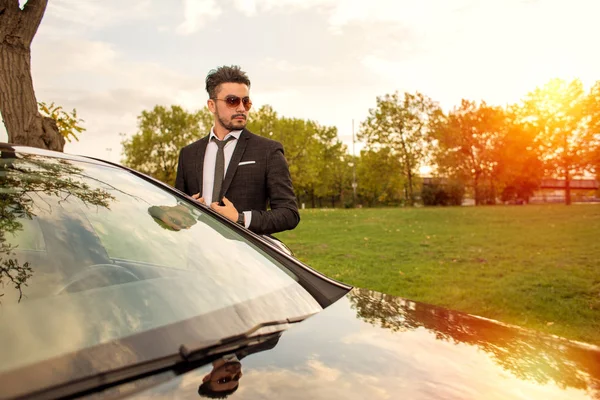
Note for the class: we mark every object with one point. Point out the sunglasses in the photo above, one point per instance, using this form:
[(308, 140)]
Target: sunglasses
[(228, 379), (234, 101)]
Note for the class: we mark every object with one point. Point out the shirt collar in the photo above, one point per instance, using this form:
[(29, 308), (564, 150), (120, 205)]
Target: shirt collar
[(235, 134)]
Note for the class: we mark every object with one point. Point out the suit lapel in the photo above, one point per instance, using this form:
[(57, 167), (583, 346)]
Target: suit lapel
[(236, 157), (199, 162)]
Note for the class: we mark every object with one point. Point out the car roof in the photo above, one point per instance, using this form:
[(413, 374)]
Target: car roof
[(19, 149)]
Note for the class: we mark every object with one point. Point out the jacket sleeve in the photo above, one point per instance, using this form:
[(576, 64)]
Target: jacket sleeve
[(180, 179), (283, 214)]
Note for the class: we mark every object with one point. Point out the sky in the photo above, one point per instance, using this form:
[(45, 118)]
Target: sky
[(324, 60)]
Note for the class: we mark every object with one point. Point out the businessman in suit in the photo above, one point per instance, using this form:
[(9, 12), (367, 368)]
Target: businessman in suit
[(235, 171)]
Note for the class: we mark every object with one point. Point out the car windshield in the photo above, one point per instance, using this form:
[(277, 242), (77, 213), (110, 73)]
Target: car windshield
[(91, 253)]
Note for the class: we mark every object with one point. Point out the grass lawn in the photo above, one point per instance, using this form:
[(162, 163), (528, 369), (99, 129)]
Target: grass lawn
[(534, 266)]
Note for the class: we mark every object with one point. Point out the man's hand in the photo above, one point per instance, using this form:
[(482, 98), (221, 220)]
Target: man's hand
[(198, 198), (228, 210), (174, 218)]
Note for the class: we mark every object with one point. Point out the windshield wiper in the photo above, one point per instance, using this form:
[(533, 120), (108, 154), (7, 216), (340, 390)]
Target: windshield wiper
[(202, 351), (185, 359)]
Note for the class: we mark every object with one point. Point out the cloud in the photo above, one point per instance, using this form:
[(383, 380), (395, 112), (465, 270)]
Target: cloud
[(247, 7), (292, 68), (196, 14), (98, 14), (115, 102), (112, 59), (423, 13), (104, 67), (108, 89), (493, 50)]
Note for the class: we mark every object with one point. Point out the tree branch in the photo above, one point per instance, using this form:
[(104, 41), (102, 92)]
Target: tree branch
[(32, 14), (9, 10)]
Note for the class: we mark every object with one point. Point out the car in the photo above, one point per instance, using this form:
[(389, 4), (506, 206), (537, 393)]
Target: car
[(116, 285)]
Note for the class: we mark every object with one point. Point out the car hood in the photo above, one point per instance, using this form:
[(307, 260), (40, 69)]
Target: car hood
[(374, 346)]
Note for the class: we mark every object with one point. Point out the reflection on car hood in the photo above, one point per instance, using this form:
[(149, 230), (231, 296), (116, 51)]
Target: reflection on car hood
[(374, 346)]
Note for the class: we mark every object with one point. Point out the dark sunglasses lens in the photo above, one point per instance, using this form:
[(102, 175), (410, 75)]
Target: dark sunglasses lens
[(232, 101), (247, 103)]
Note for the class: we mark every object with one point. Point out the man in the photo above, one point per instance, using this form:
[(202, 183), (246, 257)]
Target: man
[(224, 379), (235, 171)]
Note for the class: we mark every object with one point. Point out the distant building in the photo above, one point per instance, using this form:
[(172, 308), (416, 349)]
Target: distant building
[(553, 191), (550, 191)]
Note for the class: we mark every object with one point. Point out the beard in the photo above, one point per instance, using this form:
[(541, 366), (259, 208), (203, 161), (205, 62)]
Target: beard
[(231, 124)]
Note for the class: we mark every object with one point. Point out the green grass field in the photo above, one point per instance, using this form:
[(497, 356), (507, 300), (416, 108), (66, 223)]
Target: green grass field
[(535, 266)]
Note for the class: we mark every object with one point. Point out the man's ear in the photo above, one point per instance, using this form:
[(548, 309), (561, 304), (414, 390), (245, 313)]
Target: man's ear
[(210, 103), (206, 378)]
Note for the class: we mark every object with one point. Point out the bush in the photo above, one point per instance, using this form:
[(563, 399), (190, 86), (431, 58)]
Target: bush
[(442, 194)]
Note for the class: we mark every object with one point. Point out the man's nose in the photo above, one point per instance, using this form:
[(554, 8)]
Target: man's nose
[(240, 108)]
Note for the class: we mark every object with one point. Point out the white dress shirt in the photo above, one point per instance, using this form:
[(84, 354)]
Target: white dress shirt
[(210, 159)]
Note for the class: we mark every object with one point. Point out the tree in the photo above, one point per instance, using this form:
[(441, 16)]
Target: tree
[(18, 105), (67, 123), (593, 133), (337, 174), (558, 116), (310, 150), (519, 168), (296, 136), (468, 144), (402, 125), (328, 160), (380, 176), (162, 132), (442, 192)]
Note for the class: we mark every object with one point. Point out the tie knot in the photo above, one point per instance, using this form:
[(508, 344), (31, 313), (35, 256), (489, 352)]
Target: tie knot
[(222, 143)]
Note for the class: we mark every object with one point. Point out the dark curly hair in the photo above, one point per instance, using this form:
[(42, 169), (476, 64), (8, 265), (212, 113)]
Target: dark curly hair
[(224, 74)]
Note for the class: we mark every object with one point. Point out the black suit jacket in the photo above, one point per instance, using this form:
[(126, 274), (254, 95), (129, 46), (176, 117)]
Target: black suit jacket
[(251, 186)]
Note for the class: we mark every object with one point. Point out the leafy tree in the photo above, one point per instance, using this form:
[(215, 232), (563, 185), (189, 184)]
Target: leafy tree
[(297, 138), (337, 175), (162, 132), (328, 160), (442, 192), (18, 105), (468, 144), (593, 133), (402, 125), (594, 157), (557, 115), (311, 150), (67, 123), (519, 170), (380, 176)]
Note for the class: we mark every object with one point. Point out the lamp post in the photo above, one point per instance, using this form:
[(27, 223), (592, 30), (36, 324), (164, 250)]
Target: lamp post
[(354, 185)]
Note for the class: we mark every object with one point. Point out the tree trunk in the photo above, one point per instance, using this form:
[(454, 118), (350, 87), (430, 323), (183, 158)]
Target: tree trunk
[(411, 195), (18, 105), (567, 164), (567, 187), (492, 199), (476, 190)]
